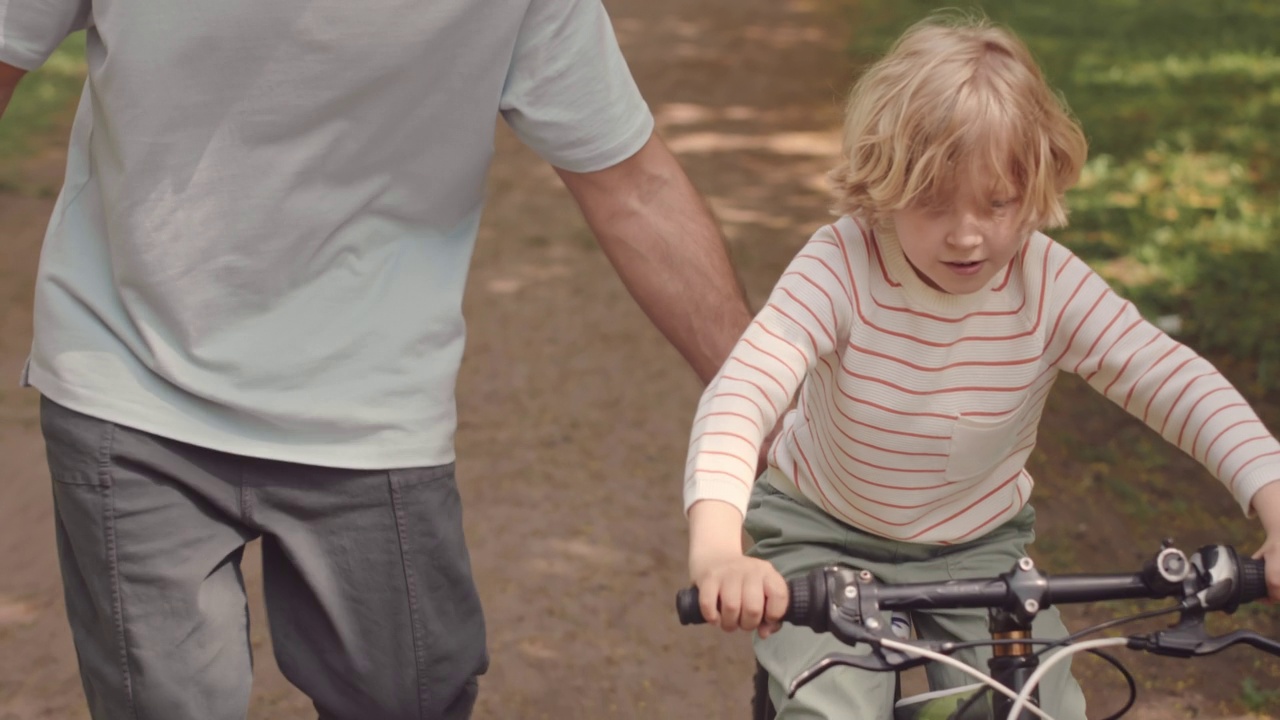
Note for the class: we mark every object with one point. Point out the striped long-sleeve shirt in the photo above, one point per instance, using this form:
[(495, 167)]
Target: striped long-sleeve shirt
[(917, 410)]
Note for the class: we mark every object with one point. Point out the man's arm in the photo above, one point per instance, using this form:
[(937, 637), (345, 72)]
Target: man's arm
[(661, 238), (9, 77)]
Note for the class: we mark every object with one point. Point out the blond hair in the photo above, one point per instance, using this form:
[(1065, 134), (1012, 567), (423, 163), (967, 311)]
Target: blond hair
[(954, 98)]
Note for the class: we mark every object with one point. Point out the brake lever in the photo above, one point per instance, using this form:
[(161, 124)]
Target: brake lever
[(1246, 637), (1189, 639)]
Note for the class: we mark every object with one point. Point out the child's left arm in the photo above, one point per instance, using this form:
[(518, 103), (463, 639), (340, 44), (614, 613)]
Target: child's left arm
[(1104, 339)]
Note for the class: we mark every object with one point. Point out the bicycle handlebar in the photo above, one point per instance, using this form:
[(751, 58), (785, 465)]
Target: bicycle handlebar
[(848, 603), (1214, 578)]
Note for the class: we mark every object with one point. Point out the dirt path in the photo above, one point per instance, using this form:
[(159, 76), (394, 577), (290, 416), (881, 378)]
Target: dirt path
[(570, 452)]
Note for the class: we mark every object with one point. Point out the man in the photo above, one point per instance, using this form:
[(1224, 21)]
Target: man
[(248, 323)]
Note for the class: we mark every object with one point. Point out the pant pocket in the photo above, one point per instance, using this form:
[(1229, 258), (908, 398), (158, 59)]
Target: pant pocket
[(79, 452), (448, 623), (78, 446)]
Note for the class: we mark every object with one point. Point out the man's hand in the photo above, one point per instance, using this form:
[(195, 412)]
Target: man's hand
[(660, 237), (9, 77)]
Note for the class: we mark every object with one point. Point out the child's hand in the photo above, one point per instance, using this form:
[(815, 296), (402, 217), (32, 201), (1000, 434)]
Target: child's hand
[(1270, 552), (1266, 503), (739, 592)]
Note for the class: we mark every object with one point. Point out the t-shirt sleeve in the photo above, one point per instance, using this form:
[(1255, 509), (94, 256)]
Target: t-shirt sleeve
[(30, 30), (569, 94)]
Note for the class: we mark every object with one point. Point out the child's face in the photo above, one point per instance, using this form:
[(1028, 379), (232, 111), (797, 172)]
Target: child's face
[(958, 246)]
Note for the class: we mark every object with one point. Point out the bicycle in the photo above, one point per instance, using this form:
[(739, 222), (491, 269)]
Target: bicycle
[(850, 603)]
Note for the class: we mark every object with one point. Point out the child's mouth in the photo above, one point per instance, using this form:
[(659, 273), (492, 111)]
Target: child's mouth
[(965, 268)]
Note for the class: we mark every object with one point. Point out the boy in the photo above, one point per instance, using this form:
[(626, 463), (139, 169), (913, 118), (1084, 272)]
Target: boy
[(922, 331)]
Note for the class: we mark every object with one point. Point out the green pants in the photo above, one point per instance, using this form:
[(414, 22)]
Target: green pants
[(797, 536)]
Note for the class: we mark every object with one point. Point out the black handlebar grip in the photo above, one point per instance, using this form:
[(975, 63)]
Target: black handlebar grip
[(1253, 580), (806, 603), (800, 602), (687, 606)]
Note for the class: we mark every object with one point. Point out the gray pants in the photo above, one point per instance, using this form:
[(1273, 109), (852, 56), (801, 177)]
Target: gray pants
[(367, 580), (796, 536)]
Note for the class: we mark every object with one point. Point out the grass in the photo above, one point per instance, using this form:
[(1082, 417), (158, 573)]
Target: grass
[(40, 111), (1256, 698), (1180, 100)]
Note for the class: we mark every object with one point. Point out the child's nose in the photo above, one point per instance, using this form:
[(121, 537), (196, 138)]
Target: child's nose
[(967, 232)]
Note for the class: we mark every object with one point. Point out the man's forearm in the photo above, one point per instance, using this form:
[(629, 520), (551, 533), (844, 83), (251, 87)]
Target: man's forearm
[(9, 77), (658, 233)]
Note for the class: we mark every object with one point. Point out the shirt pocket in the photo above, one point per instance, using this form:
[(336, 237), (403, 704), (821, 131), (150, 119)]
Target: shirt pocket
[(980, 443)]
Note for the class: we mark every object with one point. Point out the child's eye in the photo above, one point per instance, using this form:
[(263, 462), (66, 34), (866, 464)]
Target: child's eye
[(1004, 204)]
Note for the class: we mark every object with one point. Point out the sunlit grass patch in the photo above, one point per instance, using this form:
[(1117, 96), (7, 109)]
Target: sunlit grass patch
[(1235, 66), (1192, 234)]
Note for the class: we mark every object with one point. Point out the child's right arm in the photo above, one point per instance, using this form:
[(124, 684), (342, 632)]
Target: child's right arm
[(806, 319), (735, 591)]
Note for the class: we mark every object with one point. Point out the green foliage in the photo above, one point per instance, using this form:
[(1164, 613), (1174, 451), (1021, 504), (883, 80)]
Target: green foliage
[(1257, 699), (41, 109), (1180, 100)]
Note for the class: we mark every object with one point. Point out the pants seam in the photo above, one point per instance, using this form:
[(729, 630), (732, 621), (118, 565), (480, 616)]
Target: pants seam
[(107, 488), (411, 588), (245, 496)]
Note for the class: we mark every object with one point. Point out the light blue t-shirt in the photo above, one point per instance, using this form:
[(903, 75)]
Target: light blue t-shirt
[(270, 207)]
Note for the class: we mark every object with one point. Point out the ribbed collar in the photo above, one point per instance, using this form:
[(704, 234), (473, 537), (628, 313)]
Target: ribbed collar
[(919, 293)]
